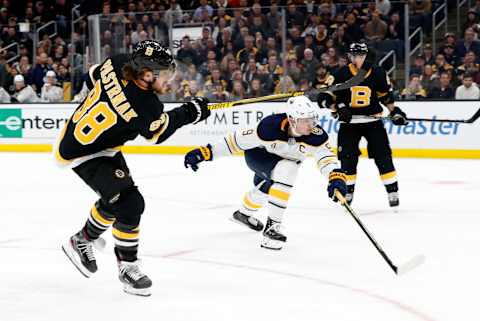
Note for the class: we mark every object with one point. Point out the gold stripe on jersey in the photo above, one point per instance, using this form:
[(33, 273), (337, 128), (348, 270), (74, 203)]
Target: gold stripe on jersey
[(133, 235), (233, 144), (115, 92), (99, 218), (284, 196), (91, 71), (163, 123), (388, 175), (250, 204), (354, 70), (381, 94)]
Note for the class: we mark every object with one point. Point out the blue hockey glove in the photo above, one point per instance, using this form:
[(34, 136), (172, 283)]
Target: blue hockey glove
[(337, 180), (198, 155)]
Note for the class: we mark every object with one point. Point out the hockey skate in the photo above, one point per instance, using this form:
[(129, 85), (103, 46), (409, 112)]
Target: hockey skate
[(249, 221), (393, 200), (134, 281), (80, 252), (273, 238)]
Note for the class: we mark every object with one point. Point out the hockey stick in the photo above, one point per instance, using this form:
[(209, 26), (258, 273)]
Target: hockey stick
[(399, 270), (464, 121), (354, 81)]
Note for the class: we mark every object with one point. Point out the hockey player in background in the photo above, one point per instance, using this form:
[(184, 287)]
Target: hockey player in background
[(121, 105), (356, 108), (274, 151)]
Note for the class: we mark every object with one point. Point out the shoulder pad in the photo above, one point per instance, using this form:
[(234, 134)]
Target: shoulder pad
[(317, 138), (273, 127)]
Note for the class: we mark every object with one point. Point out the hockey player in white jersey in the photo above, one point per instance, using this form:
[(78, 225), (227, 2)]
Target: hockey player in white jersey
[(274, 151)]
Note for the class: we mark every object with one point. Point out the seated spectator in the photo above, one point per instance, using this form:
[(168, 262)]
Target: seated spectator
[(309, 63), (202, 10), (249, 49), (383, 6), (468, 43), (468, 90), (375, 29), (38, 73), (256, 89), (472, 21), (469, 65), (441, 65), (414, 90), (186, 53), (427, 52), (448, 52), (50, 91), (294, 69), (214, 79), (238, 91), (4, 96), (322, 77), (421, 14), (285, 85), (353, 29), (444, 90), (218, 94), (418, 65), (428, 78), (23, 93)]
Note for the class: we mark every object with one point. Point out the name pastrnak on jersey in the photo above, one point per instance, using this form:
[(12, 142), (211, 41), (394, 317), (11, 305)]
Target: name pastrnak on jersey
[(365, 98), (272, 134), (114, 112)]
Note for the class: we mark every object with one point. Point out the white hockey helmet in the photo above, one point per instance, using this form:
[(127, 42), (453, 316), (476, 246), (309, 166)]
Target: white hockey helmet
[(300, 107)]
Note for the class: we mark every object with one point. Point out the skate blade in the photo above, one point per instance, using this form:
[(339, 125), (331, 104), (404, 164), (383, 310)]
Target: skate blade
[(140, 292), (272, 244), (410, 265), (72, 256), (245, 225)]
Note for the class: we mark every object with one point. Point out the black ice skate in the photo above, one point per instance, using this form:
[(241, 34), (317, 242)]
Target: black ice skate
[(134, 281), (248, 221), (393, 200), (80, 252), (273, 238)]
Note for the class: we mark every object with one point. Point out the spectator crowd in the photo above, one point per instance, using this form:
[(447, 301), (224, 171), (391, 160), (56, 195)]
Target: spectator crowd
[(242, 51)]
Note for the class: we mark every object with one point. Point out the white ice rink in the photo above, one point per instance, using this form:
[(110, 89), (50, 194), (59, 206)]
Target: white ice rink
[(204, 267)]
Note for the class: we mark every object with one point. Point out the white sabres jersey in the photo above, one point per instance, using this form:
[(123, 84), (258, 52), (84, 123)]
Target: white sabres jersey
[(272, 134)]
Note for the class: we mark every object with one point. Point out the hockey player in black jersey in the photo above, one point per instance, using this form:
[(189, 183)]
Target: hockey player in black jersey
[(351, 106), (121, 105)]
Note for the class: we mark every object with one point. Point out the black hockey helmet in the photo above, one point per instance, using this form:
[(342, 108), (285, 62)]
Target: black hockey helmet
[(358, 49), (152, 55)]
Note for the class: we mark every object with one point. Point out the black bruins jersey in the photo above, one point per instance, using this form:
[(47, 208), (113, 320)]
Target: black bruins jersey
[(365, 98), (114, 112)]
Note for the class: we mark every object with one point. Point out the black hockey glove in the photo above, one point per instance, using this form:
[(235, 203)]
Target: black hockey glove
[(197, 109), (325, 100), (344, 114), (337, 180), (198, 155), (398, 117)]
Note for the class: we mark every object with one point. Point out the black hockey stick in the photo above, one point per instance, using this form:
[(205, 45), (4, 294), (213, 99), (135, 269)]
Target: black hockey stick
[(399, 270), (463, 121)]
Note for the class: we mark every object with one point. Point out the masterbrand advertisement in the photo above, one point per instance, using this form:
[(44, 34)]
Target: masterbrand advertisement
[(35, 127)]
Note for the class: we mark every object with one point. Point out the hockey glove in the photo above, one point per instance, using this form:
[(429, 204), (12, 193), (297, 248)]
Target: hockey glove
[(344, 114), (325, 100), (398, 117), (198, 155), (337, 180), (198, 109)]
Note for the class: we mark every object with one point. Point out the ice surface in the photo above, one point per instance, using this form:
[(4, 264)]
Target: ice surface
[(204, 267)]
